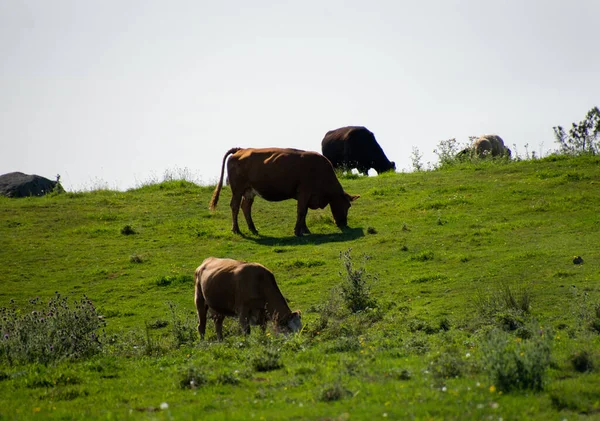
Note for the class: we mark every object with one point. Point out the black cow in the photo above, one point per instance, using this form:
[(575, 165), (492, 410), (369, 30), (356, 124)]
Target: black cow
[(355, 147)]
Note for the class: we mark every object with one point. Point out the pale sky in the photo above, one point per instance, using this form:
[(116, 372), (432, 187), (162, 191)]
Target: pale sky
[(113, 93)]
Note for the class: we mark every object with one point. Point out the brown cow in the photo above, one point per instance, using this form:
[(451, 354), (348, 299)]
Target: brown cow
[(278, 174), (247, 290)]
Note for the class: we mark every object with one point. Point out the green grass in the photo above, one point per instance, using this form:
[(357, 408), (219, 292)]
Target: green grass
[(450, 250)]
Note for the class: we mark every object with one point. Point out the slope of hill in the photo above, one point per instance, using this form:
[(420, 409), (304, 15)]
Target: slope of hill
[(481, 311)]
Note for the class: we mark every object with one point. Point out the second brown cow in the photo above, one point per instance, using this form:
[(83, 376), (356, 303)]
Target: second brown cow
[(230, 287), (277, 174)]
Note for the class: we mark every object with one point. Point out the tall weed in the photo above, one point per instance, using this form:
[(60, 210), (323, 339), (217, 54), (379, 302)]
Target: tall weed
[(49, 332), (356, 284)]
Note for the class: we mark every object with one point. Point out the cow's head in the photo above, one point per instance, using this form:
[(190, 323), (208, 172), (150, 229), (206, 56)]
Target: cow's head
[(339, 208), (291, 323)]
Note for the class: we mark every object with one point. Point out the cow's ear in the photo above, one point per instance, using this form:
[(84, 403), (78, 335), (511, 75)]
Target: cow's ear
[(353, 198)]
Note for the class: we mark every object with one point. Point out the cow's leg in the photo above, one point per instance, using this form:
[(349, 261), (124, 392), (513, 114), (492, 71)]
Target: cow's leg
[(218, 318), (247, 202), (245, 321), (236, 199), (302, 211)]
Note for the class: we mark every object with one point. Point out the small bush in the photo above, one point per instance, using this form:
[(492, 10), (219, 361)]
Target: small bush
[(344, 344), (158, 324), (136, 258), (231, 378), (399, 374), (516, 364), (447, 364), (355, 287), (582, 138), (334, 392), (582, 361), (423, 256), (127, 230), (183, 328), (50, 332), (192, 378), (417, 344), (267, 360), (167, 280), (586, 311), (504, 306)]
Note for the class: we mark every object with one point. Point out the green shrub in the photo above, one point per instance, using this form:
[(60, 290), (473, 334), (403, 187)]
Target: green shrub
[(582, 361), (417, 344), (167, 280), (127, 230), (586, 310), (183, 328), (334, 392), (583, 137), (192, 378), (267, 359), (344, 344), (355, 286), (447, 364), (516, 364), (505, 306), (50, 332)]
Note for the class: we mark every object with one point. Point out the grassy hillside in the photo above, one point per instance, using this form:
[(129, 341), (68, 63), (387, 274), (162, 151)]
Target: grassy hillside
[(480, 310)]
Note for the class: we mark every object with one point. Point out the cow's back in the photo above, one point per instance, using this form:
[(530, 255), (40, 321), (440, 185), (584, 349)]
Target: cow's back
[(228, 284), (346, 142), (279, 174), (354, 147)]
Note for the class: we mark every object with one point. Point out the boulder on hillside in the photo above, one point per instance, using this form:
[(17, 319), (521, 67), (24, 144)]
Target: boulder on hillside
[(17, 184)]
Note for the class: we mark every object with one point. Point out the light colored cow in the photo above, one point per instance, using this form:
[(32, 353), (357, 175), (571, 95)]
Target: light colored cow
[(248, 291)]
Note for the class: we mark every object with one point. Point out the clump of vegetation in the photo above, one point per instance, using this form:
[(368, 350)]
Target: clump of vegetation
[(583, 138), (167, 280), (334, 392), (447, 152), (507, 306), (127, 230), (192, 378), (399, 374), (447, 364), (356, 285), (417, 344), (516, 364), (50, 332), (267, 359), (586, 311), (136, 258), (183, 328), (582, 361), (415, 157)]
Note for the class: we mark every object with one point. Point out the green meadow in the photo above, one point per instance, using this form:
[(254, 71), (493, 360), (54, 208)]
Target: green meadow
[(475, 308)]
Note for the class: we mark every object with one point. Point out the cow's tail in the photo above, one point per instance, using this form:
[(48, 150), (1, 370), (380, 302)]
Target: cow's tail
[(215, 197), (200, 302)]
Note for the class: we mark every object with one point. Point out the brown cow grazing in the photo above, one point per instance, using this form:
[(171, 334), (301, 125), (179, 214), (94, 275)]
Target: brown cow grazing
[(278, 174), (247, 290)]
